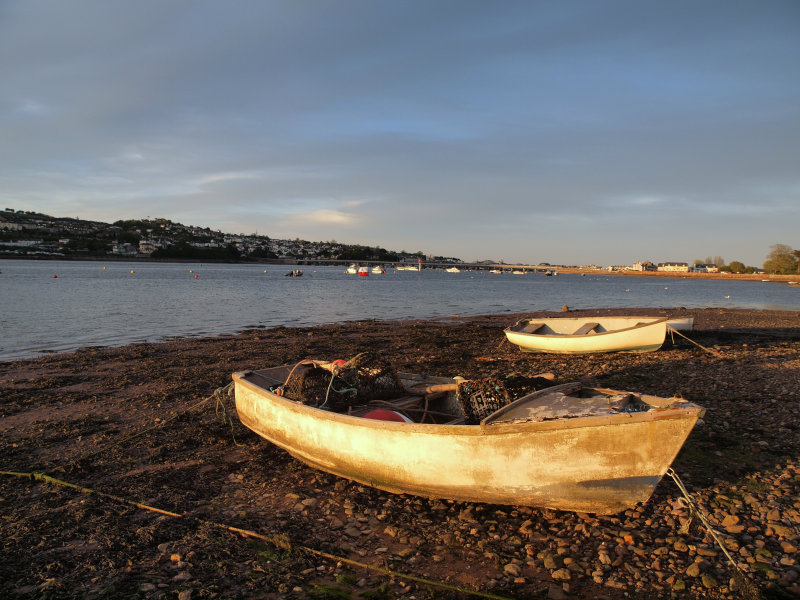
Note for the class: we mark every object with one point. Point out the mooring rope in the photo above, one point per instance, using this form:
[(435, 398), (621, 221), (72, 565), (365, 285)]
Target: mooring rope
[(714, 352), (219, 394), (748, 590), (280, 541)]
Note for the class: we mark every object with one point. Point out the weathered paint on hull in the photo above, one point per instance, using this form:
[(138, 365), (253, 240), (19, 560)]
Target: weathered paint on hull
[(634, 349), (601, 464), (645, 338)]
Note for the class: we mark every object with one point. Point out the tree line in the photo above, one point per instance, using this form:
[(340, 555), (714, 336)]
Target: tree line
[(781, 260)]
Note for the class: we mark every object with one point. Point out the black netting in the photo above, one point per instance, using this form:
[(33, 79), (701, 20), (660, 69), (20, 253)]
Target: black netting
[(309, 384), (367, 377), (364, 377), (481, 397)]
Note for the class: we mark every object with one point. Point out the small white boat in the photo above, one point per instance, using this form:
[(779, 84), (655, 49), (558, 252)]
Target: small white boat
[(378, 269), (294, 273), (682, 324), (453, 270), (566, 447), (351, 270), (582, 335), (496, 271)]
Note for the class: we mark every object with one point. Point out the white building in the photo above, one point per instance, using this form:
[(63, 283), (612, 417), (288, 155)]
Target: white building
[(674, 267), (706, 268)]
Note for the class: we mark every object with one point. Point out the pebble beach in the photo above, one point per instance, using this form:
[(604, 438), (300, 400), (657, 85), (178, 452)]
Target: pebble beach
[(119, 432)]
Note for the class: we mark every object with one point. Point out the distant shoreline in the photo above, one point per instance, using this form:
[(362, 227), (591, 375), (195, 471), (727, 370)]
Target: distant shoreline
[(723, 276), (769, 278)]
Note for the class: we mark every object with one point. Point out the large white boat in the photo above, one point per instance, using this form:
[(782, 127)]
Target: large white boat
[(566, 447)]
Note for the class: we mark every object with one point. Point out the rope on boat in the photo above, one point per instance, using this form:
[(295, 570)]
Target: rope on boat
[(714, 352), (220, 394), (349, 388), (748, 590), (280, 541)]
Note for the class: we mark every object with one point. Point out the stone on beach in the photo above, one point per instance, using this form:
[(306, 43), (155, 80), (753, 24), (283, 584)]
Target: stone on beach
[(740, 464)]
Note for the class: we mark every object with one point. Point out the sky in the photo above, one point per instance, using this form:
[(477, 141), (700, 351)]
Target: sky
[(576, 132)]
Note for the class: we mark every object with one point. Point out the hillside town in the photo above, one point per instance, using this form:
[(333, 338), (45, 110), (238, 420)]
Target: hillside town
[(35, 235), (29, 234)]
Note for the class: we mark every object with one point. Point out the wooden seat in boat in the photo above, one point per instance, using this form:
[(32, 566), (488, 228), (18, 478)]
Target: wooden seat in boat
[(586, 328)]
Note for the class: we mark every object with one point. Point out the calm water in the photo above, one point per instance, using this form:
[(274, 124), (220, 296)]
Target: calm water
[(87, 305)]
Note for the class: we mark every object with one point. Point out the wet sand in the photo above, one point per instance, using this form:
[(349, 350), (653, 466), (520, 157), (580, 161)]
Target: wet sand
[(130, 422)]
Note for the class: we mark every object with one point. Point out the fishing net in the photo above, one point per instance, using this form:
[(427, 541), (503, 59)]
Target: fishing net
[(368, 377), (308, 384), (364, 377), (481, 397)]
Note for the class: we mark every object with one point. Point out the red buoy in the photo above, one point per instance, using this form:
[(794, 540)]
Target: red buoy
[(55, 276), (382, 414)]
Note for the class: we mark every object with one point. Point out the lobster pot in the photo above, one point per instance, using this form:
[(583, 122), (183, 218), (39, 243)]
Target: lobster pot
[(363, 378), (309, 384), (479, 398)]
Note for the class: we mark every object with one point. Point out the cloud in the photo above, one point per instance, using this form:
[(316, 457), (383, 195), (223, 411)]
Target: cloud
[(332, 217), (454, 127), (228, 176)]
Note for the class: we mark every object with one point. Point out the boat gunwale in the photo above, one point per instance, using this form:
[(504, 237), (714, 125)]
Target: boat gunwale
[(640, 325), (686, 410)]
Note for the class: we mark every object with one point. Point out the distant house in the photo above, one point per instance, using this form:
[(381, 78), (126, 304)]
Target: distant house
[(642, 266), (123, 249), (712, 268), (674, 267)]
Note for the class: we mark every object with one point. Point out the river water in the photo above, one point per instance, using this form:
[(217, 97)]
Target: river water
[(117, 303)]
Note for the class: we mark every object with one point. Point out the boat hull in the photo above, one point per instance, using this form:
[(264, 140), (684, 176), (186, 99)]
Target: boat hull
[(603, 464), (627, 334)]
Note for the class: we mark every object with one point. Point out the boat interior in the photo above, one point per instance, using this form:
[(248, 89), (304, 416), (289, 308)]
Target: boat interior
[(435, 400), (424, 399), (578, 326)]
